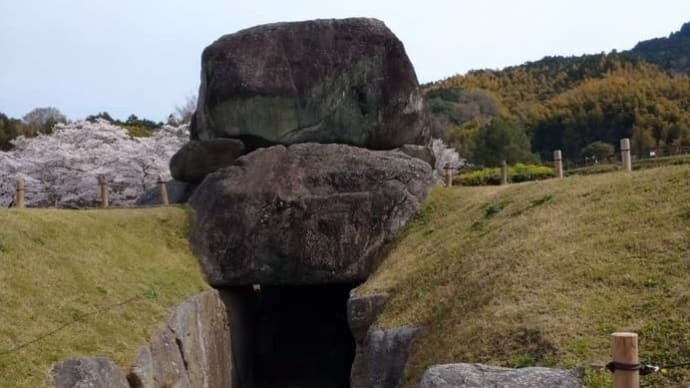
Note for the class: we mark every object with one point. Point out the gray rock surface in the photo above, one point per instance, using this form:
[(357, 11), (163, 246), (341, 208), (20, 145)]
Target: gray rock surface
[(304, 214), (480, 376), (87, 373), (423, 152), (343, 81), (178, 192), (168, 368), (380, 361), (141, 373), (362, 311), (196, 159), (192, 350), (202, 331)]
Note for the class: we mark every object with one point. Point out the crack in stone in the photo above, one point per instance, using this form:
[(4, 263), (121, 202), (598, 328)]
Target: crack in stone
[(178, 342)]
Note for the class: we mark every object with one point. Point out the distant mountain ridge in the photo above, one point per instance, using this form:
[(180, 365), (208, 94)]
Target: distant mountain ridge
[(568, 103), (671, 54)]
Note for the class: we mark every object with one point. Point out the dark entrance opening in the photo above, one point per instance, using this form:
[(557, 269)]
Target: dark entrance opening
[(291, 336)]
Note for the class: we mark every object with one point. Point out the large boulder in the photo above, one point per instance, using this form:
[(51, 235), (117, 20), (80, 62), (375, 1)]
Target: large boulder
[(480, 376), (328, 81), (202, 330), (160, 364), (192, 350), (305, 214), (362, 311), (196, 159), (423, 152), (381, 359), (178, 192)]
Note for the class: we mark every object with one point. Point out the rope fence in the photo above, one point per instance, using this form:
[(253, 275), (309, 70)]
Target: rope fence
[(68, 324), (626, 366), (626, 160), (104, 189)]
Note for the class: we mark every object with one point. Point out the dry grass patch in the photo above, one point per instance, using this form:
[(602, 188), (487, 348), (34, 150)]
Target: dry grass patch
[(541, 273), (58, 266)]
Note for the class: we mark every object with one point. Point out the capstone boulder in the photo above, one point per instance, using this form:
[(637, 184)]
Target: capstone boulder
[(305, 214), (346, 81)]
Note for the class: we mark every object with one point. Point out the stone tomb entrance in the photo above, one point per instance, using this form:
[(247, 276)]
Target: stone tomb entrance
[(291, 336)]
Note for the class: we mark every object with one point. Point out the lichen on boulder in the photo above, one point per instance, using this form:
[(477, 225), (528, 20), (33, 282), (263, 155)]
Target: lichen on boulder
[(346, 81), (305, 214)]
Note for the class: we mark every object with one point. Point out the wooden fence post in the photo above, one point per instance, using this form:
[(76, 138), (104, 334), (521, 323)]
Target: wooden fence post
[(19, 198), (504, 173), (558, 163), (625, 155), (624, 351), (104, 191), (163, 190), (449, 175)]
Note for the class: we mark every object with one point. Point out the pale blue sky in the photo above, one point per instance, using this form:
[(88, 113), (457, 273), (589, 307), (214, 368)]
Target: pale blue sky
[(143, 56)]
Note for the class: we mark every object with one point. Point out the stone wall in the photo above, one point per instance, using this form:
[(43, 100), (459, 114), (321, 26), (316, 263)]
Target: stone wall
[(192, 350), (381, 355)]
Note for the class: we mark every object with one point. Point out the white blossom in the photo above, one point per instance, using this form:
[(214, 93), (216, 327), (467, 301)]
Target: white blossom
[(62, 169), (446, 156)]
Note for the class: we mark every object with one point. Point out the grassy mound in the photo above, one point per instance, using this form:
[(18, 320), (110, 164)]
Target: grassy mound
[(541, 273), (103, 279)]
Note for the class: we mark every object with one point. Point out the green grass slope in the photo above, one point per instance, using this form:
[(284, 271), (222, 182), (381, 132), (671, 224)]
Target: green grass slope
[(541, 273), (75, 269)]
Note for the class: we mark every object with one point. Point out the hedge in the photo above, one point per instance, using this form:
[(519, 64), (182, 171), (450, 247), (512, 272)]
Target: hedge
[(517, 173)]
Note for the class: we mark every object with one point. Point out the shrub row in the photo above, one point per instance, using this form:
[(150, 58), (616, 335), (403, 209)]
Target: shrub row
[(492, 176), (530, 172)]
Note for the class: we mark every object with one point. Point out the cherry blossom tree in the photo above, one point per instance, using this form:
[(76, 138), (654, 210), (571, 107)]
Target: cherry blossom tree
[(62, 169), (446, 156), (185, 111)]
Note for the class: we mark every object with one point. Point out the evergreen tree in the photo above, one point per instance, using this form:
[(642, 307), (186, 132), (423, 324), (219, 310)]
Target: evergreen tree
[(501, 140)]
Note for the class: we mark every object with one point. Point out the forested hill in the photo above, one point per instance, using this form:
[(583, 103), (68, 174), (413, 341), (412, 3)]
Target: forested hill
[(525, 112), (671, 54)]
